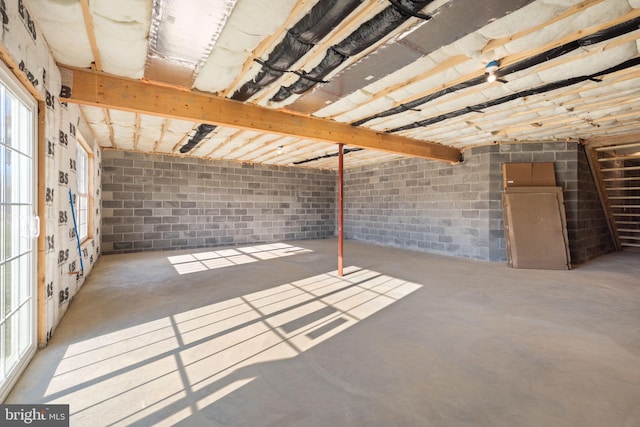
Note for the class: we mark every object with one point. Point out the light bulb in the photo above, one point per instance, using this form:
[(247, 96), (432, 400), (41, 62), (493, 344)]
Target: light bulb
[(491, 69)]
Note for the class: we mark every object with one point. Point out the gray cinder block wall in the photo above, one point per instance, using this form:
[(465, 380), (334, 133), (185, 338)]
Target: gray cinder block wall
[(457, 210), (153, 202), (423, 205)]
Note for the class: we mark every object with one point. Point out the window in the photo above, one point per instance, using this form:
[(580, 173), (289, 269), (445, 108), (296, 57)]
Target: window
[(18, 228), (82, 192)]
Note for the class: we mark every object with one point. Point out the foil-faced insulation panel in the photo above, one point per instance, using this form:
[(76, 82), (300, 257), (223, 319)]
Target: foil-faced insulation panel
[(182, 36), (250, 23)]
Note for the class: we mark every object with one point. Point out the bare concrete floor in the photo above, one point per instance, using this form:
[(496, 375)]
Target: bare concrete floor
[(270, 336)]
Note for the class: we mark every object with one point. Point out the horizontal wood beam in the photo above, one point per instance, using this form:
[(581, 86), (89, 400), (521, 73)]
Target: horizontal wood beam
[(102, 90), (603, 141)]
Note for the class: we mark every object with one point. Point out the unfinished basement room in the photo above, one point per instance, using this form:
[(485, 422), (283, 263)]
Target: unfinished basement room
[(320, 213)]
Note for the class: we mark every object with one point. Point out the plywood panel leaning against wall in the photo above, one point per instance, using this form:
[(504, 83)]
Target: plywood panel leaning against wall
[(536, 228), (25, 51)]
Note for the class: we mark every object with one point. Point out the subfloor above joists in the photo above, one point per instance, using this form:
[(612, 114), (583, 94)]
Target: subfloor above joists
[(101, 90)]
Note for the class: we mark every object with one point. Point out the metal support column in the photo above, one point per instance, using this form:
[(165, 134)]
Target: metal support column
[(340, 208)]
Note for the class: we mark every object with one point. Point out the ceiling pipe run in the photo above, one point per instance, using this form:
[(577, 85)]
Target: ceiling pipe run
[(529, 92), (202, 132), (450, 22), (327, 156), (298, 40), (600, 36), (362, 38)]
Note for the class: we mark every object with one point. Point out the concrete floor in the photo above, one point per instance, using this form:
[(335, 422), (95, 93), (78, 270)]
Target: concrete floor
[(270, 336)]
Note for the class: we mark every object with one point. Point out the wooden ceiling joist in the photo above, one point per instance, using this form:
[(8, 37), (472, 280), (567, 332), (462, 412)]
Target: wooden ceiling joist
[(106, 91), (88, 23)]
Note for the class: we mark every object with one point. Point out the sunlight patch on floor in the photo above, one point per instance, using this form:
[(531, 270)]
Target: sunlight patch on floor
[(203, 261), (164, 371)]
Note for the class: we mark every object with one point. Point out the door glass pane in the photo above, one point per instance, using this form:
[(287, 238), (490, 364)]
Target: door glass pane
[(25, 229), (4, 173), (24, 329), (10, 279), (24, 292), (8, 122), (25, 131), (3, 284), (6, 233), (10, 354), (7, 176), (2, 234), (12, 231), (23, 186)]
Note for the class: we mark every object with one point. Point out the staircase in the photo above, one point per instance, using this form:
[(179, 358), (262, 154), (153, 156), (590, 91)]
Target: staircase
[(617, 172)]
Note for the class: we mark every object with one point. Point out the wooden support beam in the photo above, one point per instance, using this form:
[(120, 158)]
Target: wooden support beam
[(88, 23), (107, 119), (165, 126), (615, 142), (102, 90), (136, 133)]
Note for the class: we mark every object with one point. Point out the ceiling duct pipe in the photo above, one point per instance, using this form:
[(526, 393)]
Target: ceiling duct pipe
[(600, 36), (327, 156), (298, 40), (364, 37), (529, 92), (450, 21), (201, 133), (181, 38)]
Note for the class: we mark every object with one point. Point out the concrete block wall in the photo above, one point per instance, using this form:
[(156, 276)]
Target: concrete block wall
[(564, 157), (574, 176), (457, 210), (421, 204), (156, 202)]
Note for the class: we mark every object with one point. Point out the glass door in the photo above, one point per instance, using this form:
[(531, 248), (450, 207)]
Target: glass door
[(18, 230)]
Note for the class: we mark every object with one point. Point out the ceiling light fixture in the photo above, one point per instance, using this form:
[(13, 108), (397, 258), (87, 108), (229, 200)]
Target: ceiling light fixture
[(491, 69), (280, 147)]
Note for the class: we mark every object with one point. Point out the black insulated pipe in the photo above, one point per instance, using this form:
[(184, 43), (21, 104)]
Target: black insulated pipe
[(327, 156), (529, 92), (362, 38), (201, 133), (600, 36), (313, 27)]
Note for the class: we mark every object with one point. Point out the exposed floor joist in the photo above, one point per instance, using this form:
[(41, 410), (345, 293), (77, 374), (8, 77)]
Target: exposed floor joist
[(102, 90)]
